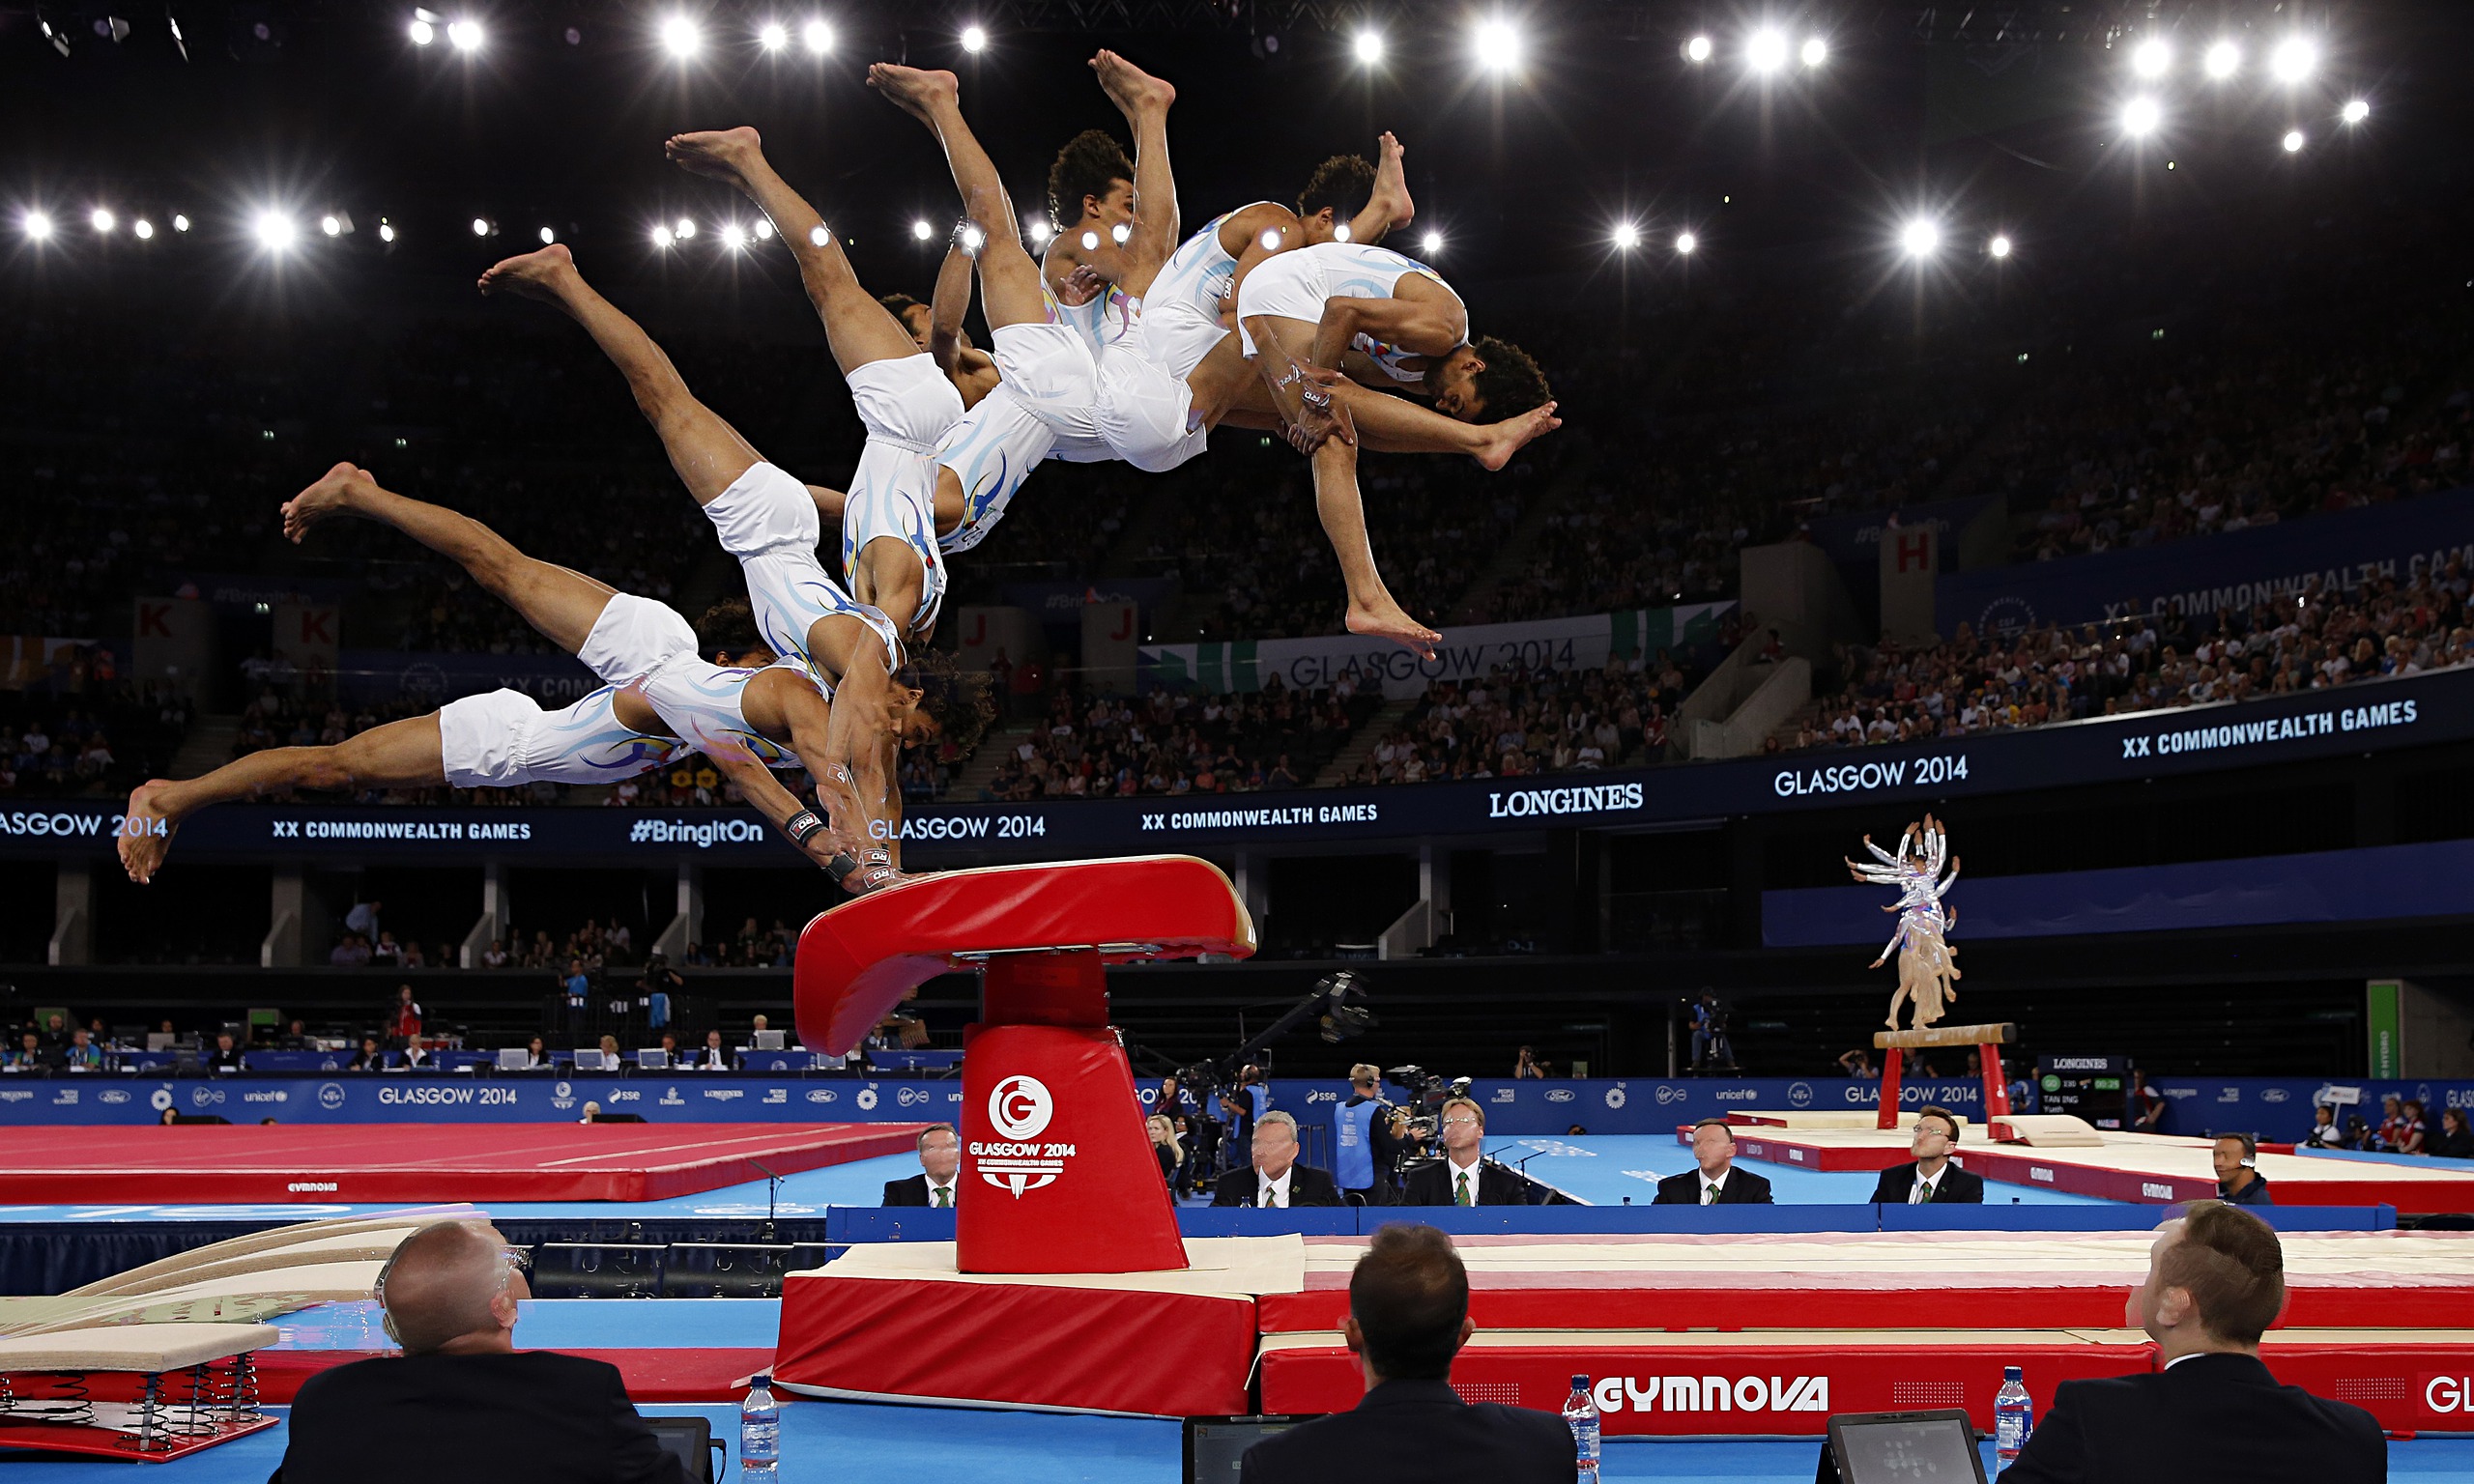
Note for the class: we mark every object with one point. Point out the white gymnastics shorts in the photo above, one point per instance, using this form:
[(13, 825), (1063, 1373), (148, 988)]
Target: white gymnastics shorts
[(906, 405), (1145, 414), (505, 740), (768, 521), (1296, 284), (1050, 369), (633, 638)]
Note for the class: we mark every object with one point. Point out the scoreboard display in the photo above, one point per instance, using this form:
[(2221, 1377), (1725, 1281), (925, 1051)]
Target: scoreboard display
[(2095, 1088)]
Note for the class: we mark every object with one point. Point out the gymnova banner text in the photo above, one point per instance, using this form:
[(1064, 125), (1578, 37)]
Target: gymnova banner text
[(2415, 711), (1465, 653)]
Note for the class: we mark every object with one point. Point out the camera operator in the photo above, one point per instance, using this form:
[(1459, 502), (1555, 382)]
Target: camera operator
[(1464, 1176), (1710, 1047), (1245, 1103), (1367, 1134)]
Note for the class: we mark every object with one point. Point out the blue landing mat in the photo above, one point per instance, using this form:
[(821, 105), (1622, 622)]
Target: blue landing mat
[(1602, 1169), (852, 1444), (570, 1323)]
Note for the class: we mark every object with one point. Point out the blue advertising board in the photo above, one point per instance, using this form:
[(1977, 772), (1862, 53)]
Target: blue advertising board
[(2340, 552), (2414, 711)]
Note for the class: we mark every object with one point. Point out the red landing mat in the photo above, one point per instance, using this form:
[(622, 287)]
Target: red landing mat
[(686, 1375), (108, 1443), (249, 1163), (1791, 1382)]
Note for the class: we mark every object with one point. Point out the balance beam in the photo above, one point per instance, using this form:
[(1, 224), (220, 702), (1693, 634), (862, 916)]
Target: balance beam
[(1946, 1036), (1988, 1040)]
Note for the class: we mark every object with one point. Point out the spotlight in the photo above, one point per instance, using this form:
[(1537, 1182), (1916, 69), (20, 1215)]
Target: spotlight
[(974, 40), (2355, 111), (465, 35), (973, 240), (2293, 141), (179, 224), (1497, 46), (1686, 241), (386, 230), (1697, 49), (685, 229), (2140, 116), (36, 225), (818, 37), (2223, 60), (2294, 60), (276, 231), (143, 229), (1815, 51), (548, 236), (2151, 57), (1340, 231), (1271, 241), (680, 38), (734, 236), (423, 33), (764, 229), (663, 238), (1432, 243), (102, 219), (819, 234), (1091, 242), (1040, 229), (773, 36), (1119, 233), (1367, 47), (1919, 238), (333, 226), (480, 226), (920, 231), (2000, 246), (1766, 52), (1625, 237)]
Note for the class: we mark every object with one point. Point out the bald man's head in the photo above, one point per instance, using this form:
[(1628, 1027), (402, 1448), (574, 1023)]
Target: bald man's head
[(450, 1287)]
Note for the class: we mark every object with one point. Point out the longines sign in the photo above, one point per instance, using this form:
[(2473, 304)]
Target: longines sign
[(2414, 711)]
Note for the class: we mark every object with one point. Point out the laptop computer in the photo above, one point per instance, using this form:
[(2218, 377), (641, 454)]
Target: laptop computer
[(1215, 1446), (1897, 1448), (652, 1059)]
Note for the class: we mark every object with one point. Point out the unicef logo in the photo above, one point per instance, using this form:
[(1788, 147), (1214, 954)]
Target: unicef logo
[(160, 1101), (331, 1096), (867, 1099), (910, 1096), (1799, 1095), (1615, 1096), (1668, 1092), (1020, 1107), (561, 1090)]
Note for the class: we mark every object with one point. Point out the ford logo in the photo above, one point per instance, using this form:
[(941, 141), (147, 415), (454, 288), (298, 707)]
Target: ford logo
[(114, 1095), (2275, 1095), (1562, 1094), (819, 1094)]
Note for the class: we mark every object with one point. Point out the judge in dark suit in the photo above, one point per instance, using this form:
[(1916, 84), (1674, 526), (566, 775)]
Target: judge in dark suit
[(1276, 1179), (1718, 1181), (940, 1162), (2215, 1281), (1464, 1176), (462, 1402), (1408, 1317), (1931, 1178)]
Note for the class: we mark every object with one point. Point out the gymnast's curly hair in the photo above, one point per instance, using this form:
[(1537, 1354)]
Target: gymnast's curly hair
[(958, 700), (1090, 164), (899, 304), (1345, 183), (729, 627), (1511, 382)]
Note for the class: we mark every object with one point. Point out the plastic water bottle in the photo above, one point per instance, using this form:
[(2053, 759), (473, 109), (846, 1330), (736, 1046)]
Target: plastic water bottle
[(1580, 1415), (759, 1433), (2014, 1417)]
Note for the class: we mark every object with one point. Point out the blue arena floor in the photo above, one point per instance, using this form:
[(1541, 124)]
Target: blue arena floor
[(853, 1443), (1605, 1169)]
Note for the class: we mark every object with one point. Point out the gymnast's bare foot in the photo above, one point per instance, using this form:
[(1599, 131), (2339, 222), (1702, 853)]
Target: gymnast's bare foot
[(1388, 621), (917, 92), (145, 833), (1136, 92), (1392, 183), (720, 154), (333, 494), (535, 274), (1509, 437)]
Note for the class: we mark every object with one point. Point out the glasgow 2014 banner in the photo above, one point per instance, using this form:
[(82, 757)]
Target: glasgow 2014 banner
[(2340, 551)]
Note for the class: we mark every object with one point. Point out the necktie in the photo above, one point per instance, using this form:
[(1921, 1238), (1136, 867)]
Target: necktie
[(1922, 1193), (944, 1195), (1463, 1197), (1271, 1197), (1710, 1199)]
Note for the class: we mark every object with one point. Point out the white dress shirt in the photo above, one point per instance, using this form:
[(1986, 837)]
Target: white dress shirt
[(1923, 1190), (1458, 1171), (934, 1185), (1713, 1186), (1269, 1192)]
